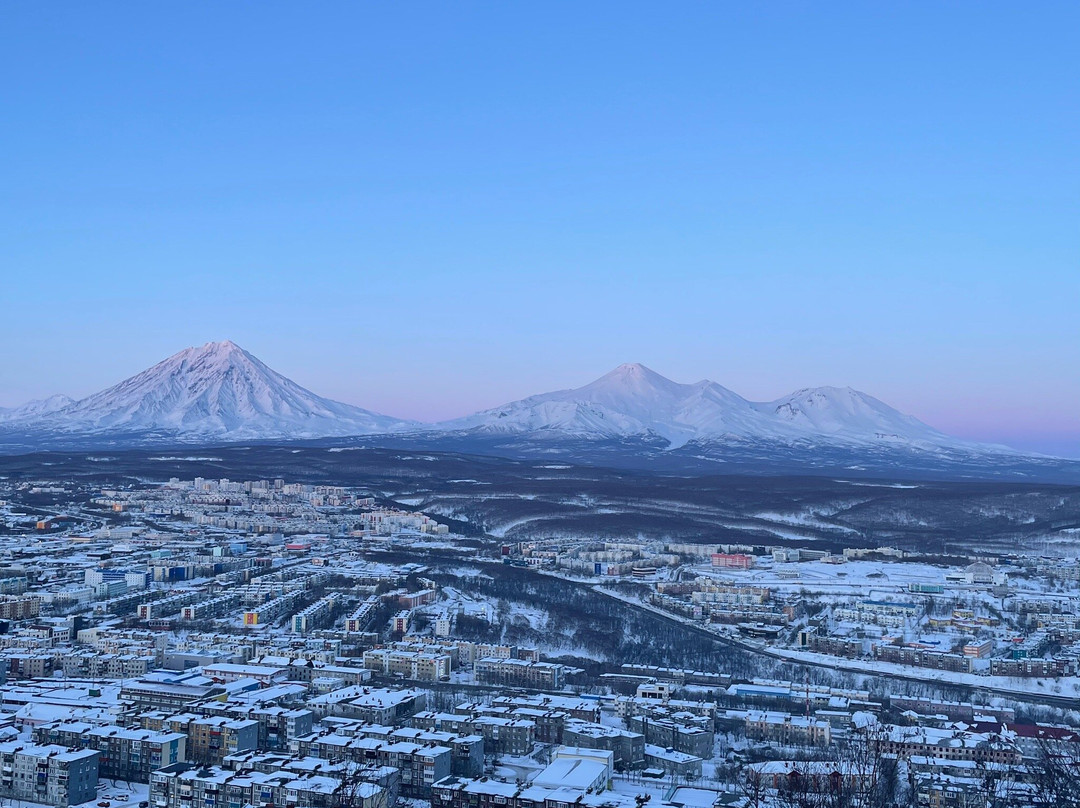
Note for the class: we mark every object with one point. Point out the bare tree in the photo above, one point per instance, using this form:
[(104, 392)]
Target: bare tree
[(1055, 775)]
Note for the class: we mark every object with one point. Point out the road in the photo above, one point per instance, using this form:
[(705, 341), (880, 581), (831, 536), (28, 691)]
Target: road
[(837, 664)]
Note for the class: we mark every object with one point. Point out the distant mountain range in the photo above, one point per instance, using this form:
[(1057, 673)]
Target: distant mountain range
[(635, 401), (220, 393)]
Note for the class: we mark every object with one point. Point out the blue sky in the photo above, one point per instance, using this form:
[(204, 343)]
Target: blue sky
[(426, 209)]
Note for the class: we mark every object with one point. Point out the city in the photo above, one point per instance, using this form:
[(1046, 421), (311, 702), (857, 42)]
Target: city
[(615, 404), (267, 642)]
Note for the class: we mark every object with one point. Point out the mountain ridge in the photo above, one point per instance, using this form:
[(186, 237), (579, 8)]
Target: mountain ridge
[(219, 391), (634, 400)]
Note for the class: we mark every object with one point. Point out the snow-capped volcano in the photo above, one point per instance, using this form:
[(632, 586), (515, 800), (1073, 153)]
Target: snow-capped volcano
[(630, 400), (633, 400), (848, 415), (218, 390)]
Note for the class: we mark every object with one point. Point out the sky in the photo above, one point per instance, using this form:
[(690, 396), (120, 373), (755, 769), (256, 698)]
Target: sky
[(427, 209)]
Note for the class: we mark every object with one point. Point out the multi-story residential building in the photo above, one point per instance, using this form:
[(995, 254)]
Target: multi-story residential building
[(411, 600), (673, 763), (53, 775), (314, 616), (790, 730), (466, 751), (457, 792), (211, 607), (19, 607), (126, 754), (627, 747), (277, 725), (357, 777), (375, 705), (549, 723), (229, 672), (953, 710), (736, 561), (420, 764), (27, 665), (467, 759), (359, 620), (266, 612), (684, 733), (574, 706), (211, 739), (168, 691), (400, 622), (520, 673), (306, 669), (835, 646), (731, 594), (502, 736), (923, 658), (181, 786), (626, 706), (947, 744), (13, 584), (409, 664), (91, 665)]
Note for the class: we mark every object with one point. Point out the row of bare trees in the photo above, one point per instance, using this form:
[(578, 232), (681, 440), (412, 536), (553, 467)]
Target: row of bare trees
[(857, 775)]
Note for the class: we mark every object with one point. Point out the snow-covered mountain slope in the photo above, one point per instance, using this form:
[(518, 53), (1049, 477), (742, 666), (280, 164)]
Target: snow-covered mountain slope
[(630, 400), (633, 401), (218, 390), (37, 408), (853, 417)]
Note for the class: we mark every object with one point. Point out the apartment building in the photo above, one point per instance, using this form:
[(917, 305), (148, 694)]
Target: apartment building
[(467, 758), (277, 725), (316, 615), (466, 751), (400, 622), (627, 747), (92, 665), (169, 692), (672, 763), (457, 792), (787, 729), (412, 600), (359, 620), (125, 754), (53, 775), (1033, 667), (502, 736), (520, 673), (683, 733), (375, 705), (409, 664), (19, 607), (736, 561), (420, 764), (181, 786), (583, 709), (225, 672), (549, 723), (946, 744), (923, 658), (211, 739), (953, 710)]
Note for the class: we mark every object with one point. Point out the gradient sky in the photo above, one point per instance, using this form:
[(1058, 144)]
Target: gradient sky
[(430, 208)]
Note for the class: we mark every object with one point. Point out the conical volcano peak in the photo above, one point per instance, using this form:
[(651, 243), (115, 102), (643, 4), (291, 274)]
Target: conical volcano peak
[(218, 389)]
